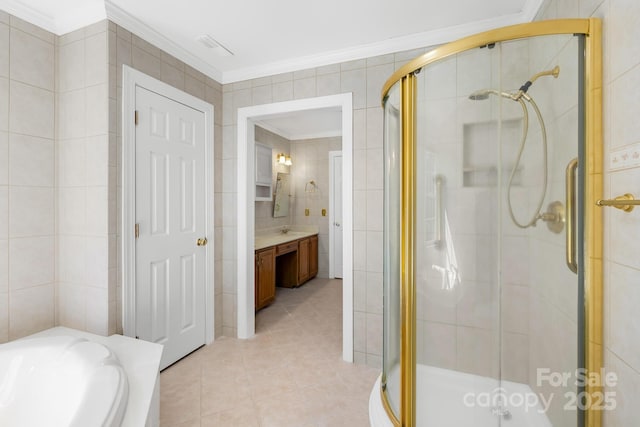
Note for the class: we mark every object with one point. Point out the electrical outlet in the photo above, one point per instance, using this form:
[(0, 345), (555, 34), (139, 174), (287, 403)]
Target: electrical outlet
[(324, 212), (306, 212)]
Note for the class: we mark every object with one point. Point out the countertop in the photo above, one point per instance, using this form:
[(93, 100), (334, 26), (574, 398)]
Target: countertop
[(277, 237)]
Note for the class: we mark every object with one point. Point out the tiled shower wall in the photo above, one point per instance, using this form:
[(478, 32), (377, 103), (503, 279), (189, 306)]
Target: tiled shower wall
[(27, 178), (364, 78), (126, 48), (621, 78)]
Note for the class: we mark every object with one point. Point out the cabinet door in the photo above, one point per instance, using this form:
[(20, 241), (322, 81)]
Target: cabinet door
[(303, 261), (266, 278), (313, 256), (263, 173), (263, 164)]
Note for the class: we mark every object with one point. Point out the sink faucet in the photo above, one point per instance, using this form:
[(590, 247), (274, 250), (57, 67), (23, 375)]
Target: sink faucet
[(285, 229)]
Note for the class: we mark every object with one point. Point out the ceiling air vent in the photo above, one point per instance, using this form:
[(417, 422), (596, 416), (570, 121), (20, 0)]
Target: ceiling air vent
[(211, 43)]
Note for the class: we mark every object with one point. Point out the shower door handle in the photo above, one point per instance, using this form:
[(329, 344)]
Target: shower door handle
[(439, 209), (571, 215)]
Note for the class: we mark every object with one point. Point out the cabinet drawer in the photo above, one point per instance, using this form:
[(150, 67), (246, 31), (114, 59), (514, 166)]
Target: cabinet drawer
[(287, 247)]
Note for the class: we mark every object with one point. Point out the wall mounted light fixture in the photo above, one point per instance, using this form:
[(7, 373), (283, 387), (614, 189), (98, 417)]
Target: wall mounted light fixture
[(284, 159)]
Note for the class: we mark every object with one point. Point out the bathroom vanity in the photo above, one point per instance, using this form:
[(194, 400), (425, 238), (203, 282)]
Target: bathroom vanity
[(287, 260)]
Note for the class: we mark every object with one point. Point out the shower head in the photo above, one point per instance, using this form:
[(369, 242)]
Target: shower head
[(479, 95), (482, 94)]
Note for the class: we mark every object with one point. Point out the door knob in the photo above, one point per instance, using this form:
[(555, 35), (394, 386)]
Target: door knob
[(337, 224), (202, 242)]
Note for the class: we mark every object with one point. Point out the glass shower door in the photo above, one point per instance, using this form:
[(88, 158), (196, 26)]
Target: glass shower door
[(457, 244), (497, 307), (391, 268)]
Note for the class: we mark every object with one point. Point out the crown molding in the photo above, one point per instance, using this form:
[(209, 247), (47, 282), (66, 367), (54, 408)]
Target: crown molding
[(394, 45), (399, 44), (297, 137), (80, 19), (139, 28), (29, 14)]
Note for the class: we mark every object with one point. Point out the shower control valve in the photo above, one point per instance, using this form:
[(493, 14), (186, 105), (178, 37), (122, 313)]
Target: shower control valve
[(554, 217)]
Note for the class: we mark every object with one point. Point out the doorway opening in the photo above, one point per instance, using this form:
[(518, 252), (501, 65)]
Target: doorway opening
[(247, 119)]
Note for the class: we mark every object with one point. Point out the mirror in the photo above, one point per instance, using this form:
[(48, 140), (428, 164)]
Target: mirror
[(281, 196)]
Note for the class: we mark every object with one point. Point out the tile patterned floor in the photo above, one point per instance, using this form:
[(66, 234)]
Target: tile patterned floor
[(290, 374)]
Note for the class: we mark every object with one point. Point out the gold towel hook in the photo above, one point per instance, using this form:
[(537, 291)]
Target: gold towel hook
[(626, 202)]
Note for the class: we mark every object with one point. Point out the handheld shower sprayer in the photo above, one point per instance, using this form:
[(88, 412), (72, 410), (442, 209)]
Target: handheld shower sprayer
[(518, 96), (483, 94)]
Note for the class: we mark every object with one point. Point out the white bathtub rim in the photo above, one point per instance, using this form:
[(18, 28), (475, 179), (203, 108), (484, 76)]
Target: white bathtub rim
[(141, 362), (71, 380)]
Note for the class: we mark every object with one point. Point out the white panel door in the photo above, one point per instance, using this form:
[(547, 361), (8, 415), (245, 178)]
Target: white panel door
[(170, 213), (336, 195)]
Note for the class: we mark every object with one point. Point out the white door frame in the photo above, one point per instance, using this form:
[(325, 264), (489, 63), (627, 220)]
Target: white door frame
[(332, 214), (246, 209), (130, 79)]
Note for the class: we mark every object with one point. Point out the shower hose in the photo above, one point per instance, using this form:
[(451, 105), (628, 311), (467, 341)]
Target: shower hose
[(523, 142)]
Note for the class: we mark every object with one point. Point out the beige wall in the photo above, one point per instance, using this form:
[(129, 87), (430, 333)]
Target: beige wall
[(27, 178), (60, 189), (621, 45)]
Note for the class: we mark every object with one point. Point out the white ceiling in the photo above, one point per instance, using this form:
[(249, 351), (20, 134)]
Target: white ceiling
[(275, 36), (307, 124)]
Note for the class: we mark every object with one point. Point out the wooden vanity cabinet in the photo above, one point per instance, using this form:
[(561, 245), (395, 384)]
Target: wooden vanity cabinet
[(313, 256), (288, 264), (303, 261), (265, 277), (307, 259)]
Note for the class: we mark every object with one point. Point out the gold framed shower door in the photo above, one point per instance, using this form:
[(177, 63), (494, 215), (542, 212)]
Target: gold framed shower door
[(593, 226)]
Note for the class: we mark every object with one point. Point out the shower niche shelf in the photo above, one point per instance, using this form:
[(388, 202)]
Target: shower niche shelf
[(480, 149)]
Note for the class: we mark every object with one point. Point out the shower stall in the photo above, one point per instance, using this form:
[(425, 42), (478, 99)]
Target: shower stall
[(492, 240)]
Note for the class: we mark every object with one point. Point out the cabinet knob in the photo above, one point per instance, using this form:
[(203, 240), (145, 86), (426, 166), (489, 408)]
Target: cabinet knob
[(202, 242)]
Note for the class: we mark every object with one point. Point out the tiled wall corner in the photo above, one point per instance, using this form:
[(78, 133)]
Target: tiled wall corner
[(82, 176)]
